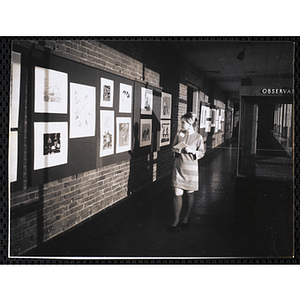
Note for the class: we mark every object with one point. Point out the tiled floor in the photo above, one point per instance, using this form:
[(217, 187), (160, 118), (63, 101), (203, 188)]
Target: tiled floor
[(223, 223)]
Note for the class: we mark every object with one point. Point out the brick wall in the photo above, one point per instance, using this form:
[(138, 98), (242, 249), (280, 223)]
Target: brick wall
[(42, 212)]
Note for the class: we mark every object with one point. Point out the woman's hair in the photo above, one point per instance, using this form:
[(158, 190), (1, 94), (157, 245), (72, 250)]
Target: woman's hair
[(190, 118)]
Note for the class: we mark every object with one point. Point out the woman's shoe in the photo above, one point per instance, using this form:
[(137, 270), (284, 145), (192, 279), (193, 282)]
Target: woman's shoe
[(187, 223), (171, 227)]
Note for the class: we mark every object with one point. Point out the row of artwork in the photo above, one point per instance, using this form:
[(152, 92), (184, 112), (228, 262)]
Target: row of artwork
[(51, 138), (211, 118), (51, 97)]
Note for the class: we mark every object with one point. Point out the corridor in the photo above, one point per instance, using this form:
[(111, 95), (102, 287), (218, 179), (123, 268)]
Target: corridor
[(220, 227)]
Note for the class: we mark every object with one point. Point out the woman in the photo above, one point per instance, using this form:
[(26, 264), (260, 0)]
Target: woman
[(188, 147)]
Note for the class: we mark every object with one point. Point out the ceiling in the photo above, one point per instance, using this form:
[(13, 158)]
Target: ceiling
[(218, 59), (262, 60)]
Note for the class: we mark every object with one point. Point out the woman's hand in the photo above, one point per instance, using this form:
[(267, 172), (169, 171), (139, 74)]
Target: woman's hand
[(189, 149), (175, 150)]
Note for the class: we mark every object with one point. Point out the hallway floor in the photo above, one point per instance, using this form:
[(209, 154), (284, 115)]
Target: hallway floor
[(220, 226)]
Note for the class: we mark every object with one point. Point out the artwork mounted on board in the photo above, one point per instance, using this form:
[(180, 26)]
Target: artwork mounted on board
[(107, 132), (107, 92), (13, 156), (213, 117), (50, 144), (123, 135), (50, 91), (203, 116), (165, 132), (166, 105), (82, 110), (217, 120), (125, 101), (146, 101), (220, 119), (15, 89), (145, 132), (208, 120)]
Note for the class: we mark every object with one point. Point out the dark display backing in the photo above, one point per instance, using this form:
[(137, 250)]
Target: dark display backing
[(83, 152)]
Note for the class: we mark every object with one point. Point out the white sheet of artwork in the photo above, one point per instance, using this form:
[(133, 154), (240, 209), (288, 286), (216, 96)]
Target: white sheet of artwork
[(123, 135), (125, 99), (165, 132), (208, 120), (82, 110), (217, 120), (13, 156), (213, 117), (15, 89), (107, 93), (146, 101), (50, 144), (107, 132), (145, 132), (166, 105), (220, 119), (203, 116), (51, 91)]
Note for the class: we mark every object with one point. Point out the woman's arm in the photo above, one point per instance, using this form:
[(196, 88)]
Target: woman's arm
[(197, 152), (200, 148), (175, 143)]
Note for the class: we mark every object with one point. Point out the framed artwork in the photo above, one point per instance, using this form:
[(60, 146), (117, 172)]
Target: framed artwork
[(165, 132), (107, 132), (166, 106), (50, 91), (123, 135), (146, 101), (13, 156), (145, 132), (50, 144), (206, 98), (107, 93), (15, 89), (82, 110), (222, 114), (125, 101), (201, 96), (217, 119), (208, 120), (220, 119), (213, 117), (203, 116)]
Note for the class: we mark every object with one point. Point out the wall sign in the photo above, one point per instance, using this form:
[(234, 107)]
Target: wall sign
[(282, 91)]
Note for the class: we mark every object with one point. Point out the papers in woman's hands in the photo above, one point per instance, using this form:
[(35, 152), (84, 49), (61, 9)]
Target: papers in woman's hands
[(180, 146)]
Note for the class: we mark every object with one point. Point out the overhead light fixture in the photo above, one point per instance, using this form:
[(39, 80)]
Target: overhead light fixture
[(241, 55)]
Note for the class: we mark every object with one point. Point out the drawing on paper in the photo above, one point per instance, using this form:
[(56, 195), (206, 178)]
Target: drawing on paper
[(107, 92), (50, 144), (123, 134), (146, 101), (166, 105), (82, 110), (107, 132), (50, 91), (165, 136), (145, 132), (125, 101)]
